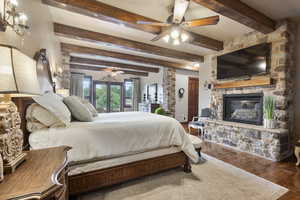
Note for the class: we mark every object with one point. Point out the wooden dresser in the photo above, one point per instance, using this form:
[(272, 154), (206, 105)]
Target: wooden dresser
[(42, 176)]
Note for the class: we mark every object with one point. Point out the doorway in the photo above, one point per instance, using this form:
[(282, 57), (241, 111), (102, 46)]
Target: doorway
[(193, 98), (108, 96)]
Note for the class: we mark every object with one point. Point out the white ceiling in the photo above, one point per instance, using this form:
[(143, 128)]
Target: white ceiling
[(160, 10)]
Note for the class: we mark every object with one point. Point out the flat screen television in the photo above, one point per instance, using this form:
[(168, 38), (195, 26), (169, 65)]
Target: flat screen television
[(247, 62)]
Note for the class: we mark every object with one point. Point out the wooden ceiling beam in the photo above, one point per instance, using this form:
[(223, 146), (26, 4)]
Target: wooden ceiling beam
[(93, 68), (240, 12), (70, 48), (112, 64), (95, 37), (104, 12)]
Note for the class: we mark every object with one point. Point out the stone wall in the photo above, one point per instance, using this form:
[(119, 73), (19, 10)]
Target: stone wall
[(267, 143), (282, 72), (169, 86)]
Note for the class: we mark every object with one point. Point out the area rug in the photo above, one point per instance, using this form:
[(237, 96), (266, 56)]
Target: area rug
[(210, 180)]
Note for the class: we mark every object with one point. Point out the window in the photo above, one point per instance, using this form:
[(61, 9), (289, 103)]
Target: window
[(128, 93), (87, 88)]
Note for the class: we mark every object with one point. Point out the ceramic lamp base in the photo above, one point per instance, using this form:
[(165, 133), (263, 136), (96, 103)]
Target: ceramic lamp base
[(11, 136), (11, 166)]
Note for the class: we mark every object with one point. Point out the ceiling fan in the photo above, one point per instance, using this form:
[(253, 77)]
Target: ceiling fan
[(174, 29)]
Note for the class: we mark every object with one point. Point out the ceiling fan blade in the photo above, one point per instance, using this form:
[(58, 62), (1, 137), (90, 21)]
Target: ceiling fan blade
[(202, 22), (161, 35), (153, 23), (180, 8)]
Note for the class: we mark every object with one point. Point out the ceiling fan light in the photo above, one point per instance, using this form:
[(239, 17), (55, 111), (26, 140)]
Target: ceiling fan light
[(184, 37), (176, 42), (175, 34), (166, 38), (23, 19)]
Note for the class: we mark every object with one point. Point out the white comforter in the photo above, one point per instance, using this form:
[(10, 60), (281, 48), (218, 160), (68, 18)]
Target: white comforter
[(116, 134)]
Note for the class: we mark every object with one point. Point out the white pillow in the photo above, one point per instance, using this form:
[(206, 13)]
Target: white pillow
[(38, 118), (55, 105), (78, 109), (91, 108)]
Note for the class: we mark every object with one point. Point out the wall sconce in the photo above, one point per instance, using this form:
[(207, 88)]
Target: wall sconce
[(207, 85), (12, 18)]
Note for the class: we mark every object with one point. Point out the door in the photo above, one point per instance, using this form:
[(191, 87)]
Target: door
[(100, 96), (115, 93), (193, 97), (108, 96)]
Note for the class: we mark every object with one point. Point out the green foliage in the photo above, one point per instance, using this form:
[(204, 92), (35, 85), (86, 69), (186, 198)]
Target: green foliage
[(160, 111), (269, 107), (102, 98)]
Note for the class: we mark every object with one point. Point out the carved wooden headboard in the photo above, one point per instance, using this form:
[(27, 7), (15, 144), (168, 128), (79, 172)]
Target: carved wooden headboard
[(46, 85)]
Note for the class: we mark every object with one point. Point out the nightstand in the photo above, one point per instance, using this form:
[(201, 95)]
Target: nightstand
[(42, 176)]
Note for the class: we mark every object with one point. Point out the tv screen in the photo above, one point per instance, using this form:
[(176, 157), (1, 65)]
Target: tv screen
[(251, 61)]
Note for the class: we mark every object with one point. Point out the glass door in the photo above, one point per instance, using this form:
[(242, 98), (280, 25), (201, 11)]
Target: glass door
[(101, 96), (108, 96), (115, 91)]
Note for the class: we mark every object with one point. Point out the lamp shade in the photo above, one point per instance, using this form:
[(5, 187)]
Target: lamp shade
[(17, 73)]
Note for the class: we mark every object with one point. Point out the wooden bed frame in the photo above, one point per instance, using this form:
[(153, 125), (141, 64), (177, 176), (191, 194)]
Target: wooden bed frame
[(106, 177)]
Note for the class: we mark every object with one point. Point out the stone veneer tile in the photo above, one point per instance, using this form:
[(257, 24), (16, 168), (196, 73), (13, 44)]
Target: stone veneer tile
[(271, 144)]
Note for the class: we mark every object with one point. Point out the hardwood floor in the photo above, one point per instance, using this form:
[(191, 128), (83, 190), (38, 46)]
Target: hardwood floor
[(283, 173)]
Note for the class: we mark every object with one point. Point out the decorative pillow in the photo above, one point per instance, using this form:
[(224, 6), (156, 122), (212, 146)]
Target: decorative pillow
[(55, 105), (91, 108), (39, 118), (78, 109)]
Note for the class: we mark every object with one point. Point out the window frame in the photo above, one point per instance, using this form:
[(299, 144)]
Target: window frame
[(90, 97), (124, 96)]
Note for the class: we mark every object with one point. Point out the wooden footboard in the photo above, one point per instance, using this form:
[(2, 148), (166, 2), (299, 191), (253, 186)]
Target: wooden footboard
[(106, 177)]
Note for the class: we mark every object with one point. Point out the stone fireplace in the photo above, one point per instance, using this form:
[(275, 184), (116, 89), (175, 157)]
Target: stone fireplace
[(243, 108), (237, 117)]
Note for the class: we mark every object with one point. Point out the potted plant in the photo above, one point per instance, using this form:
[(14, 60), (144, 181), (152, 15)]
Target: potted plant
[(269, 108)]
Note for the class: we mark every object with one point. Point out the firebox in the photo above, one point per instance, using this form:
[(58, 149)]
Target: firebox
[(243, 108)]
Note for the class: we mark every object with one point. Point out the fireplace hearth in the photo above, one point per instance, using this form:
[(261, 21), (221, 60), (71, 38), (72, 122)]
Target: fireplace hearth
[(243, 108)]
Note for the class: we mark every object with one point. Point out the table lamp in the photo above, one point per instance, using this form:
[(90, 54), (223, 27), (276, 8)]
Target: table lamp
[(18, 78)]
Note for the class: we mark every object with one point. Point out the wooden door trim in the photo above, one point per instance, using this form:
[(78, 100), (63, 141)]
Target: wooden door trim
[(189, 80)]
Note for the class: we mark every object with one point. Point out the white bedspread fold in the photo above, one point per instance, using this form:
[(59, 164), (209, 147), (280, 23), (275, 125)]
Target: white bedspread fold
[(116, 134)]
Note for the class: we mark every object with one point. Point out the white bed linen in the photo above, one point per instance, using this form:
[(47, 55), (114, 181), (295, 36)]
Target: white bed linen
[(92, 166), (116, 134)]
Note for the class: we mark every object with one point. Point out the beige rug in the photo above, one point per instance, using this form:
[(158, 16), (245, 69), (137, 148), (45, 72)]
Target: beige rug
[(211, 180)]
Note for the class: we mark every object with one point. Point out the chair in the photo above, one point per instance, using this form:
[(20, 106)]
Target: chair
[(197, 122)]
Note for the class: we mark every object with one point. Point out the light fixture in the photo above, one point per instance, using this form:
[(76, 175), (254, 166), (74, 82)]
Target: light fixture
[(12, 18), (176, 42), (166, 38), (184, 37), (177, 36), (18, 77), (196, 64), (175, 33)]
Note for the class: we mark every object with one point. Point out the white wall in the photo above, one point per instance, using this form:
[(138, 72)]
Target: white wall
[(204, 75), (181, 106), (41, 33), (152, 79)]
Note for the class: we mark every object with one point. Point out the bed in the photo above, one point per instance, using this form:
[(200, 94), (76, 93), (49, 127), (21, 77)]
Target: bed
[(114, 147), (113, 162)]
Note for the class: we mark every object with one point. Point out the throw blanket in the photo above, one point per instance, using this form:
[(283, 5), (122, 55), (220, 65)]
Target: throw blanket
[(116, 134)]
